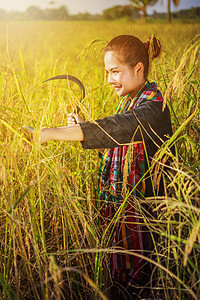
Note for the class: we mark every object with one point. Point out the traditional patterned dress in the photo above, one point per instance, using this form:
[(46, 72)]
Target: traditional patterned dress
[(140, 126), (128, 231)]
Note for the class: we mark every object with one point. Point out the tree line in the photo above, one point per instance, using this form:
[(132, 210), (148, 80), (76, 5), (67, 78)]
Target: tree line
[(34, 13), (137, 9)]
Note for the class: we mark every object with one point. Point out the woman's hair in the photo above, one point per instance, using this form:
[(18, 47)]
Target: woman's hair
[(131, 50)]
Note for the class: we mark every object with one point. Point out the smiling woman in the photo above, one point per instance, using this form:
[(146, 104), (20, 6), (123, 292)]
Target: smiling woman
[(119, 75), (130, 138), (128, 65)]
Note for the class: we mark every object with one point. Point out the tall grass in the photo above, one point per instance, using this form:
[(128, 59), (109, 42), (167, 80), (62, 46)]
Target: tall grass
[(52, 246)]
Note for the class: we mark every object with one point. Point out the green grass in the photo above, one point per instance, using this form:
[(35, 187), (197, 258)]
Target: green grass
[(50, 239)]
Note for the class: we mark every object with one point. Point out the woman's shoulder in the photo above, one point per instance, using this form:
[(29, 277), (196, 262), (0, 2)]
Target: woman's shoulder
[(155, 106)]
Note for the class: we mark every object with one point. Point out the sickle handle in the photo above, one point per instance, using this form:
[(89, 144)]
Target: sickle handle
[(74, 79)]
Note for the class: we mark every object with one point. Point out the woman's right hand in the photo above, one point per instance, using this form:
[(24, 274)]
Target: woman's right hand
[(74, 119)]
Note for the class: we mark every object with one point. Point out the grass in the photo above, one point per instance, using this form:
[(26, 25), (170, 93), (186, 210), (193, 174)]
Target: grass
[(50, 239)]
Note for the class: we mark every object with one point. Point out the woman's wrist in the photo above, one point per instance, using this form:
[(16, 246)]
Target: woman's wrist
[(44, 134)]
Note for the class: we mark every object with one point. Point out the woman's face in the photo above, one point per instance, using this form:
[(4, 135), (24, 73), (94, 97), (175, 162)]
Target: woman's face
[(124, 80)]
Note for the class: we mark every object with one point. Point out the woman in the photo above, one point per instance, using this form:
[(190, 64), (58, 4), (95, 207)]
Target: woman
[(130, 138)]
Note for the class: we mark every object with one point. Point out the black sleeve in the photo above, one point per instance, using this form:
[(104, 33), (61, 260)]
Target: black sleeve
[(154, 125)]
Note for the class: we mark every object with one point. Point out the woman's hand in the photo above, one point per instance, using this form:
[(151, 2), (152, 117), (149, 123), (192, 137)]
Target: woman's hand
[(29, 131), (31, 135), (74, 119)]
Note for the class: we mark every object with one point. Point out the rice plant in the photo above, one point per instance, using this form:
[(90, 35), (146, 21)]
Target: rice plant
[(52, 246)]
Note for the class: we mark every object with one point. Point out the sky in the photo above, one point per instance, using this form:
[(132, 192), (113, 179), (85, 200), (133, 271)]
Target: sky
[(91, 6)]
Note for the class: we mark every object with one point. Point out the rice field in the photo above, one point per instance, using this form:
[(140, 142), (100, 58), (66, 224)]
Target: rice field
[(51, 243)]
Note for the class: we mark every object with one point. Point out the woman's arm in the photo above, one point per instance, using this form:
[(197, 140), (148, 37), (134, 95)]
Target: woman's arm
[(67, 133), (147, 122)]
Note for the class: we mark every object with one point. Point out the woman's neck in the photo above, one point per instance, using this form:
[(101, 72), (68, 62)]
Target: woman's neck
[(135, 92)]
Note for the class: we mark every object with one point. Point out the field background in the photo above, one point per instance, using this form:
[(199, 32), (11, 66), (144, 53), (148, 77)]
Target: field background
[(51, 245)]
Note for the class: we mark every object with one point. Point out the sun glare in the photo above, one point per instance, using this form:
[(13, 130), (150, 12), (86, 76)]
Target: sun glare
[(22, 5)]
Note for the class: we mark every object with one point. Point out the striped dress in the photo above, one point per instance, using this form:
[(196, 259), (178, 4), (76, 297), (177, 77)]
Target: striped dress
[(121, 174)]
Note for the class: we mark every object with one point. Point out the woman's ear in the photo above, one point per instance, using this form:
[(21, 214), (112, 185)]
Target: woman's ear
[(139, 68)]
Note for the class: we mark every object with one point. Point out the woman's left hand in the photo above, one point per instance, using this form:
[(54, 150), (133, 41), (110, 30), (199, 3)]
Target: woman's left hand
[(29, 136), (74, 119)]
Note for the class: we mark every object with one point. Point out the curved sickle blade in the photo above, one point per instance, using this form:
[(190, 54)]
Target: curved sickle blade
[(74, 79)]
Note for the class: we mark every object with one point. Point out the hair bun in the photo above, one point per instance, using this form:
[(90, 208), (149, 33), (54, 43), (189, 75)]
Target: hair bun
[(153, 46), (147, 43)]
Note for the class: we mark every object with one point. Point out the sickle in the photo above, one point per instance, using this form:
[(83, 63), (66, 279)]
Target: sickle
[(74, 79)]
